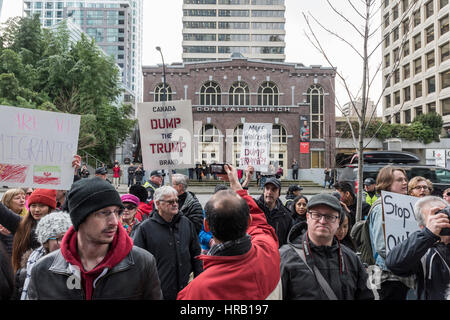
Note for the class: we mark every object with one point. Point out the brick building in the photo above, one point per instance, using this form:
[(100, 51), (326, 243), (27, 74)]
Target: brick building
[(227, 93)]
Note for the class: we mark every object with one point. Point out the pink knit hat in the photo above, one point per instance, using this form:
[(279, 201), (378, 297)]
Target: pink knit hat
[(130, 198)]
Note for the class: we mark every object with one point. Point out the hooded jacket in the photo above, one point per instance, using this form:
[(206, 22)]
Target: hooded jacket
[(192, 209), (175, 245), (422, 255), (252, 274), (279, 218), (299, 283), (126, 272)]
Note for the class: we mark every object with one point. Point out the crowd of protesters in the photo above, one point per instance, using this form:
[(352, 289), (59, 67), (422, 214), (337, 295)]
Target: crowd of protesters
[(158, 242)]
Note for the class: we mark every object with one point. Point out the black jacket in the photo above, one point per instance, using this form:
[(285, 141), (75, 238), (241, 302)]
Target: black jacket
[(174, 246), (279, 218), (11, 221), (421, 252), (299, 283), (192, 209), (134, 278)]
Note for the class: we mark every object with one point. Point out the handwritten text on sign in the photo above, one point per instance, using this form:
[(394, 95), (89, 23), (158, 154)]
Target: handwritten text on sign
[(255, 149), (37, 147), (166, 134), (399, 217)]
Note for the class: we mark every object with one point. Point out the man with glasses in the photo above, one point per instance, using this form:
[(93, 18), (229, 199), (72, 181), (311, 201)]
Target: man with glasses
[(97, 259), (314, 265), (173, 240)]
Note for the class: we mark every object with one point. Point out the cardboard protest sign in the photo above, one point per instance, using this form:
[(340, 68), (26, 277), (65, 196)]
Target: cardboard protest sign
[(37, 148), (255, 147), (399, 219), (166, 130)]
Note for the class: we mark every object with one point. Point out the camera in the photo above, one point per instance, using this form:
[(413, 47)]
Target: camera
[(218, 168), (445, 231)]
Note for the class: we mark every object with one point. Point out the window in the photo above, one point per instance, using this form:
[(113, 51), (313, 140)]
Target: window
[(417, 42), (431, 107), (395, 13), (431, 85), (233, 13), (418, 110), (407, 116), (418, 65), (233, 25), (445, 79), (315, 100), (418, 89), (406, 48), (416, 18), (442, 3), (387, 60), (159, 92), (430, 59), (444, 50), (386, 3), (429, 10), (387, 81), (387, 101), (443, 25), (429, 34), (396, 55), (268, 94), (397, 117), (407, 93), (395, 34), (386, 20), (406, 71), (397, 76), (239, 94), (210, 94), (397, 97), (199, 49), (405, 26), (404, 5), (317, 159), (445, 106), (386, 40)]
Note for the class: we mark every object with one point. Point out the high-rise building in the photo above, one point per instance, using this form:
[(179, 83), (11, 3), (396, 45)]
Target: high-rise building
[(116, 26), (1, 3), (215, 29), (416, 64)]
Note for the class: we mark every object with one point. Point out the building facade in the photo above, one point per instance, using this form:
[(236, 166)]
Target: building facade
[(226, 94), (116, 26), (214, 29), (416, 64)]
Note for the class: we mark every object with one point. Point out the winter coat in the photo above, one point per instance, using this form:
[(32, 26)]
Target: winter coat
[(279, 218), (249, 274), (299, 283), (126, 272), (11, 221), (422, 255), (174, 245), (116, 172), (192, 209)]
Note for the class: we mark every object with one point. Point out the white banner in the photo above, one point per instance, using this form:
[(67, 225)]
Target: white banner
[(37, 148), (255, 146), (166, 130), (399, 219)]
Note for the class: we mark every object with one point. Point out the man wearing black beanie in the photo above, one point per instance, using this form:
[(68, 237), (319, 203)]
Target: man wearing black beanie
[(97, 259)]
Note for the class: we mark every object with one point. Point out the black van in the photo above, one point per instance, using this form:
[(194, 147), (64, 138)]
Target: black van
[(375, 160)]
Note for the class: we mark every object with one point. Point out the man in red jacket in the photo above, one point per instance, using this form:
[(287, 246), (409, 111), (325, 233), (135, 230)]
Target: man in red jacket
[(244, 264)]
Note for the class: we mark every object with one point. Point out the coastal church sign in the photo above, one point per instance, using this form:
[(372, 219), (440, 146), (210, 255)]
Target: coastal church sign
[(233, 109)]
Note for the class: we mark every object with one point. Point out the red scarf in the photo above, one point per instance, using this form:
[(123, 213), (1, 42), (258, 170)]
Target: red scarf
[(118, 250)]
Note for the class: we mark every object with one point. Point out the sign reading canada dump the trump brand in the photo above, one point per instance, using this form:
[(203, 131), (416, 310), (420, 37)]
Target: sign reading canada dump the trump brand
[(166, 130), (399, 219), (37, 148)]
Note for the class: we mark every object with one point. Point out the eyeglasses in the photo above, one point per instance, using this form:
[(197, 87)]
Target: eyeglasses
[(58, 240), (171, 202), (130, 207), (448, 194), (105, 214), (318, 216), (421, 187)]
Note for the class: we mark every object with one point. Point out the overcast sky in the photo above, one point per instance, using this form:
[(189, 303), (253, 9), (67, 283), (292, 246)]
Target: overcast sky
[(163, 26)]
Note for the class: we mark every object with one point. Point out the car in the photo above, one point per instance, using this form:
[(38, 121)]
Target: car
[(375, 160)]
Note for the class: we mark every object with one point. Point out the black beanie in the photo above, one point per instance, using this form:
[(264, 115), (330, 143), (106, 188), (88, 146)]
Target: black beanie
[(89, 195)]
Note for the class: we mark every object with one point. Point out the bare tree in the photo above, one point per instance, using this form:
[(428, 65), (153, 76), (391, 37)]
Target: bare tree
[(367, 13)]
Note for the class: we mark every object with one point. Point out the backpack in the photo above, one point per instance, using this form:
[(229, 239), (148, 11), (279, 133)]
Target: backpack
[(361, 236)]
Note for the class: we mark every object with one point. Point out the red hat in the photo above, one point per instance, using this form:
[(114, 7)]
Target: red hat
[(44, 196)]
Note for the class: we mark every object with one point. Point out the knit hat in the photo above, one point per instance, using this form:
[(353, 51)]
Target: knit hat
[(44, 196), (130, 198), (89, 195), (52, 225)]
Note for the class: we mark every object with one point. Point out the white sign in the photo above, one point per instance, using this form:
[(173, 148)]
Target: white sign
[(37, 148), (399, 219), (255, 147), (436, 157), (166, 130)]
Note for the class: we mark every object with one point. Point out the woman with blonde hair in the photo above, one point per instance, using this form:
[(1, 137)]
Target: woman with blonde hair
[(420, 187), (13, 199)]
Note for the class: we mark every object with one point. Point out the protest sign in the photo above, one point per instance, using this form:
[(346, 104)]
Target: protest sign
[(255, 147), (166, 130), (37, 148), (399, 219)]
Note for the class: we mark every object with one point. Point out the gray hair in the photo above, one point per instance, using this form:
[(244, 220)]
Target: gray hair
[(425, 201), (163, 192), (179, 178)]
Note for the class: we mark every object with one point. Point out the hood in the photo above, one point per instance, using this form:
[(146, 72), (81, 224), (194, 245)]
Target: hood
[(296, 232)]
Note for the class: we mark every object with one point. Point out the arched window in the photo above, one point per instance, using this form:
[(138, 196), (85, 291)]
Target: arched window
[(239, 94), (159, 92), (210, 94), (209, 147), (315, 100), (268, 94)]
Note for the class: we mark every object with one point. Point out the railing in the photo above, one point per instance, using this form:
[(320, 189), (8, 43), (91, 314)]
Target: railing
[(90, 160)]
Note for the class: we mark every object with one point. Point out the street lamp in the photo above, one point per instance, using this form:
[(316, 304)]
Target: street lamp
[(164, 74)]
